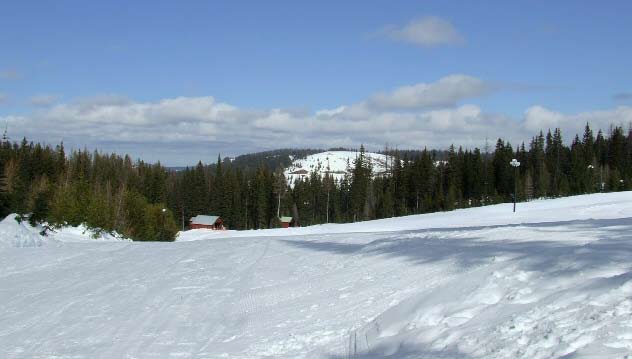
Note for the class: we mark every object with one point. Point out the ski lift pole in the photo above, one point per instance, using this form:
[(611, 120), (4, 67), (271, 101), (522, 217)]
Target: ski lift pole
[(515, 164)]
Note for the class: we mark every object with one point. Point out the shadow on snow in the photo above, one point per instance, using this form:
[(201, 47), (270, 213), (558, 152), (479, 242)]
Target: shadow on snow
[(611, 242), (597, 244)]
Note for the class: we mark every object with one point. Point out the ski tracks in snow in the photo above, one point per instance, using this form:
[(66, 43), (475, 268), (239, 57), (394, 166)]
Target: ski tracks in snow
[(551, 281)]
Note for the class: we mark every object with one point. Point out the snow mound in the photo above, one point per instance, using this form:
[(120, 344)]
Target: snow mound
[(335, 163), (82, 233), (14, 234)]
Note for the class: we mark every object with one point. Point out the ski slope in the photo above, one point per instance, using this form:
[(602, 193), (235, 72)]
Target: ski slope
[(553, 280), (337, 164)]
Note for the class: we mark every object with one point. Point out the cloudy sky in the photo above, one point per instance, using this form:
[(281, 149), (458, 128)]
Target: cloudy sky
[(183, 81)]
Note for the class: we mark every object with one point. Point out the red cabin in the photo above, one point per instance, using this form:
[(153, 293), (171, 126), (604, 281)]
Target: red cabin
[(287, 222), (207, 222)]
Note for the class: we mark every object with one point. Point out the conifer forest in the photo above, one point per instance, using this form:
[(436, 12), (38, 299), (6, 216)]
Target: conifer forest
[(110, 192)]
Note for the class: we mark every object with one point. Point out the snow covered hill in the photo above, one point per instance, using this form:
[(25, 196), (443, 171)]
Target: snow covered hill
[(552, 280), (336, 163)]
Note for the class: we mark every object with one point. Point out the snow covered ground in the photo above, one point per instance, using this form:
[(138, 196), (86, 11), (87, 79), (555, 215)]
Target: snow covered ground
[(550, 281), (22, 234), (336, 163)]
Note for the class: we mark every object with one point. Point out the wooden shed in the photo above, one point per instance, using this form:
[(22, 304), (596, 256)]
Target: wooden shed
[(287, 222), (207, 222)]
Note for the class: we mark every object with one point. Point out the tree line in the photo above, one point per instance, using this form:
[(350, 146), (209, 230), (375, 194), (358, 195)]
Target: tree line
[(108, 192)]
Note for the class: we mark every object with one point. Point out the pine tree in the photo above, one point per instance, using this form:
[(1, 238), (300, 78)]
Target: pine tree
[(538, 161), (616, 149), (580, 170), (4, 192), (39, 202), (502, 170), (4, 196), (359, 185), (528, 185)]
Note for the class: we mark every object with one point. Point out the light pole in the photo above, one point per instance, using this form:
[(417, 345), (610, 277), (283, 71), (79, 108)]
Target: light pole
[(515, 164), (591, 168), (162, 232)]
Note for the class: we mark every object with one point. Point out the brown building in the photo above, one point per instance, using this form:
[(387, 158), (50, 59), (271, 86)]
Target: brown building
[(287, 222), (207, 222)]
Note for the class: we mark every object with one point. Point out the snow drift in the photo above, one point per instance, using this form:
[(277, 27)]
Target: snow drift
[(18, 234), (552, 280), (22, 234)]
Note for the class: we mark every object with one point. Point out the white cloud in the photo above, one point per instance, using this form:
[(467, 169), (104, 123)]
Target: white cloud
[(184, 130), (428, 31), (539, 118), (447, 91), (43, 100), (201, 127), (331, 112)]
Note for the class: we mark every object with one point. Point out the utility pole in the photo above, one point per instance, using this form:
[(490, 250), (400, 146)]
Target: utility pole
[(485, 170), (328, 178), (327, 202), (515, 164), (247, 195), (280, 187)]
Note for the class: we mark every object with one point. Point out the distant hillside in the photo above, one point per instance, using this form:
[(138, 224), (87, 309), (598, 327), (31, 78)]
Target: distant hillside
[(285, 157), (335, 163), (271, 159)]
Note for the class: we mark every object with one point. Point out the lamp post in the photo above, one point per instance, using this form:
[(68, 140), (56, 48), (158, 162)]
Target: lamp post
[(162, 222), (515, 164), (591, 168)]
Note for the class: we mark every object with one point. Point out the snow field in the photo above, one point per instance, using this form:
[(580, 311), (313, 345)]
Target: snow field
[(552, 280), (336, 163)]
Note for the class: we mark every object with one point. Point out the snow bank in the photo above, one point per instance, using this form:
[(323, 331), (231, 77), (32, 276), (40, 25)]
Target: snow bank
[(82, 233), (14, 234)]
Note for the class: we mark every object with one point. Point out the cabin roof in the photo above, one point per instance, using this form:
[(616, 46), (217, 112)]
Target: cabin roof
[(203, 219), (300, 172)]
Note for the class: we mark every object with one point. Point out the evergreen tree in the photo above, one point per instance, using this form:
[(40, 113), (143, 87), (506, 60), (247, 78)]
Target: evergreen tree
[(107, 192), (39, 202), (360, 179)]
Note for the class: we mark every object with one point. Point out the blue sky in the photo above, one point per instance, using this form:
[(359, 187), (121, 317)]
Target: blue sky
[(567, 58)]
